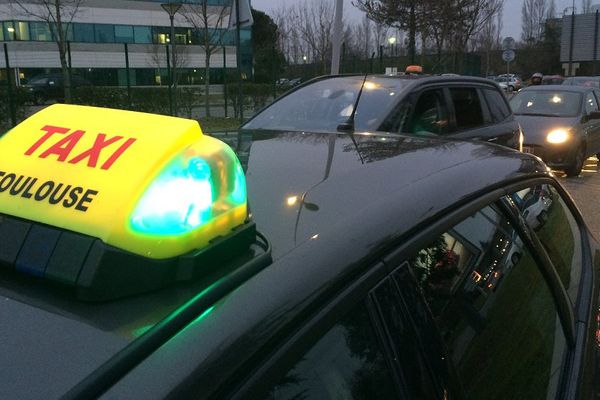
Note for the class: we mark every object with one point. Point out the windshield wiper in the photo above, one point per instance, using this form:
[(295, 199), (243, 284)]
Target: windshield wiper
[(539, 114)]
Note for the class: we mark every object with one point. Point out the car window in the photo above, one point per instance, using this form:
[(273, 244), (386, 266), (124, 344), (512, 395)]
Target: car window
[(467, 108), (590, 103), (324, 104), (418, 381), (398, 118), (494, 310), (546, 213), (346, 363), (498, 107), (430, 115)]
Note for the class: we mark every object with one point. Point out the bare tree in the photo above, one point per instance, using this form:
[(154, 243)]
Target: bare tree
[(158, 57), (472, 16), (551, 13), (488, 39), (408, 15), (364, 34), (586, 6), (314, 23), (58, 15), (205, 19), (533, 15)]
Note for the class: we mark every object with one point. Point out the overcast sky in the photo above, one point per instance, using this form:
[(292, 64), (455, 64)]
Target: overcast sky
[(512, 11)]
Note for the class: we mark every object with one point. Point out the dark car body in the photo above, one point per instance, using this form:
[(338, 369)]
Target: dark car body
[(456, 107), (580, 120), (401, 268), (42, 88)]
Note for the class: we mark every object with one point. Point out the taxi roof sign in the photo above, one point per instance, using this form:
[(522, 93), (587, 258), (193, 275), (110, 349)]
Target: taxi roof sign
[(151, 185)]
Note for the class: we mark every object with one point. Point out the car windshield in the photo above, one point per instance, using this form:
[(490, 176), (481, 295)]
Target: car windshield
[(324, 104), (546, 102), (583, 81)]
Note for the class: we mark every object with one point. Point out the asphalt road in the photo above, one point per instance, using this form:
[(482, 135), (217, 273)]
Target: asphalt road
[(585, 190)]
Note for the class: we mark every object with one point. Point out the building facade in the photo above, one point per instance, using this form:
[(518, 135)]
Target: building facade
[(105, 34)]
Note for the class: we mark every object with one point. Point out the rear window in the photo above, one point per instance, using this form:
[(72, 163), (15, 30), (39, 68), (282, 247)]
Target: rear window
[(498, 107)]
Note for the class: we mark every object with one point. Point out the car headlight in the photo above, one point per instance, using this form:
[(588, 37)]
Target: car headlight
[(557, 136)]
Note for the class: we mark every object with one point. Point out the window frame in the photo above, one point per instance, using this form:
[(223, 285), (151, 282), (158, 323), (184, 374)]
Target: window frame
[(286, 355), (572, 365)]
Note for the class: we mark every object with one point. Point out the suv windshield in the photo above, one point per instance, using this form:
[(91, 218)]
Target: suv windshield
[(323, 105), (546, 102)]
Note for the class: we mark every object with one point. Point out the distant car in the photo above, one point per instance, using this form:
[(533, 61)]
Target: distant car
[(561, 124), (534, 204), (454, 107), (295, 81), (282, 81), (509, 83), (552, 80), (588, 81), (42, 88)]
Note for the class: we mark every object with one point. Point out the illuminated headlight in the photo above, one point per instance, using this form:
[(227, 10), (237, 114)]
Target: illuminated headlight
[(190, 193), (557, 136)]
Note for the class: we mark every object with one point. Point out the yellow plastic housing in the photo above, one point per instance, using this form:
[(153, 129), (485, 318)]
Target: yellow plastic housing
[(88, 169)]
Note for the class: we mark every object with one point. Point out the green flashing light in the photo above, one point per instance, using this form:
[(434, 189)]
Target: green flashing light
[(178, 201)]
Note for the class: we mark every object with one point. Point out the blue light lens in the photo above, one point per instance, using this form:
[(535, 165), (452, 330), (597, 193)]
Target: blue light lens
[(178, 201)]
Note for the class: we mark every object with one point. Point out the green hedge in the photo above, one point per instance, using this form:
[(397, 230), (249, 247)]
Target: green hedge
[(152, 100), (20, 98), (255, 95)]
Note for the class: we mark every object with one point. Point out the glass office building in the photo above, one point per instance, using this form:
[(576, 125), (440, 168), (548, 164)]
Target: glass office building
[(102, 30)]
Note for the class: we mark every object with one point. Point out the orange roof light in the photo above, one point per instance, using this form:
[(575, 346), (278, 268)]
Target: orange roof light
[(414, 69)]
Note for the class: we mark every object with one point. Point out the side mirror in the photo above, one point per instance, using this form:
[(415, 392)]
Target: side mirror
[(594, 115)]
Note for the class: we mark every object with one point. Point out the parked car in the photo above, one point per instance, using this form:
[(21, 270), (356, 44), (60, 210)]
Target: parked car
[(42, 88), (552, 80), (588, 81), (359, 272), (561, 124), (509, 83), (457, 107)]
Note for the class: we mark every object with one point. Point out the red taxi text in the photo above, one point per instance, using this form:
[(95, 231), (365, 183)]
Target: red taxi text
[(105, 146)]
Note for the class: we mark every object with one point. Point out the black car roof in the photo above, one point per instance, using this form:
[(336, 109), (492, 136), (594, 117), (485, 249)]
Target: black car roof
[(364, 201), (417, 78), (343, 181), (352, 203)]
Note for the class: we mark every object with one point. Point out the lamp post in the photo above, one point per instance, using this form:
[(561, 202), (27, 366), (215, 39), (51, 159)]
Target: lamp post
[(171, 9), (392, 42)]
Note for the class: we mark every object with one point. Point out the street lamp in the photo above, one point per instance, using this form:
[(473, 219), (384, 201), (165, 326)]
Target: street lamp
[(304, 58), (171, 9), (392, 42)]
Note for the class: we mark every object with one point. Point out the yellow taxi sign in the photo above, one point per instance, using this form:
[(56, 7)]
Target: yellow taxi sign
[(86, 169)]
